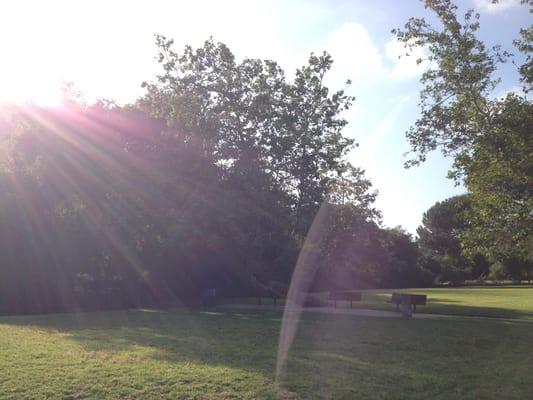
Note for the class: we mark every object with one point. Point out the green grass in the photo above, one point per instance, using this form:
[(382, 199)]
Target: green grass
[(498, 301), (232, 355)]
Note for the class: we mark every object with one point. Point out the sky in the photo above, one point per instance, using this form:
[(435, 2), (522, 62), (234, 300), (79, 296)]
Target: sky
[(106, 48)]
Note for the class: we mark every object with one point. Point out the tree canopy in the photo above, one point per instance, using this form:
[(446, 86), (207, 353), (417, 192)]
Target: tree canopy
[(489, 138), (210, 180)]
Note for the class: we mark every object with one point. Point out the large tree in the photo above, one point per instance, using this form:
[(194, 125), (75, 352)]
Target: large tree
[(490, 139), (439, 238), (252, 120), (280, 144)]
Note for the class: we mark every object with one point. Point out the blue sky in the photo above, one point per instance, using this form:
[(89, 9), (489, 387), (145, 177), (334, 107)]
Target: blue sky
[(106, 48)]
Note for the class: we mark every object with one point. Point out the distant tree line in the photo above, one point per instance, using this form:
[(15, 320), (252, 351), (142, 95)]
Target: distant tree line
[(213, 178)]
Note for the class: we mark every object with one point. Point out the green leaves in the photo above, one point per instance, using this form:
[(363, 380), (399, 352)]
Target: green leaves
[(489, 139), (248, 117), (455, 104)]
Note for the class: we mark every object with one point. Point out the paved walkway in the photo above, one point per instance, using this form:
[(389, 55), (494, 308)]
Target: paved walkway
[(365, 312), (331, 310)]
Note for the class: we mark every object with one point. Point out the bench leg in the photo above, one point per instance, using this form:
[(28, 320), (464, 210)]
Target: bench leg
[(350, 304), (397, 307), (414, 308)]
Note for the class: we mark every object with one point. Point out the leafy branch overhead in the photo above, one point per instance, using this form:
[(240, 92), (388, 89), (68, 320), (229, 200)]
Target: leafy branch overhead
[(489, 138)]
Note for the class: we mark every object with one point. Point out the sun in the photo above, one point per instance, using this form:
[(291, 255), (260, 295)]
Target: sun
[(19, 90)]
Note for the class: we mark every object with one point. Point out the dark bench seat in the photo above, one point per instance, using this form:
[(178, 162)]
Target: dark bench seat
[(344, 296), (408, 298)]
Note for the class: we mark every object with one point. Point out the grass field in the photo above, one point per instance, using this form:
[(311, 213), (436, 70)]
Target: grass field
[(497, 301), (231, 355)]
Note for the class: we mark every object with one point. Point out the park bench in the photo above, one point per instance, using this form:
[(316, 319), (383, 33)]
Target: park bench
[(344, 295), (411, 300)]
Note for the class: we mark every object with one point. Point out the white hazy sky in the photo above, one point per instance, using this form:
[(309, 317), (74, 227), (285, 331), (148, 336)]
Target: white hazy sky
[(107, 49)]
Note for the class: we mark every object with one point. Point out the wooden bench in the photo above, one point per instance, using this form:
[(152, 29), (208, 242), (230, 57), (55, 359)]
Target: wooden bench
[(410, 299), (344, 295)]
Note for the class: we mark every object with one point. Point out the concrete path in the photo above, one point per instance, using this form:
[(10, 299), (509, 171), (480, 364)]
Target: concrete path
[(366, 313), (331, 310)]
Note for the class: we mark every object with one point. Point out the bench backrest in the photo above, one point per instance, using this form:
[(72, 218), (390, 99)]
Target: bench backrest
[(352, 296), (418, 299)]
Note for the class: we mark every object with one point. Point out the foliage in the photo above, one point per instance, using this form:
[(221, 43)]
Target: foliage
[(489, 138), (357, 253), (253, 121), (440, 241), (525, 45), (403, 261), (210, 180)]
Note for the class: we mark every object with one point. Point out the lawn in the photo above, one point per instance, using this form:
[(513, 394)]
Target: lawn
[(145, 354), (496, 301)]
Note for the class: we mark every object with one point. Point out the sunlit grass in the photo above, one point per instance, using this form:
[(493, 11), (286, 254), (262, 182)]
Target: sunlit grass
[(130, 355), (505, 302), (231, 355)]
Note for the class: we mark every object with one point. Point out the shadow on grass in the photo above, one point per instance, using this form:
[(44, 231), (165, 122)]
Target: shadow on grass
[(333, 356), (501, 286), (477, 311), (446, 307), (209, 337)]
